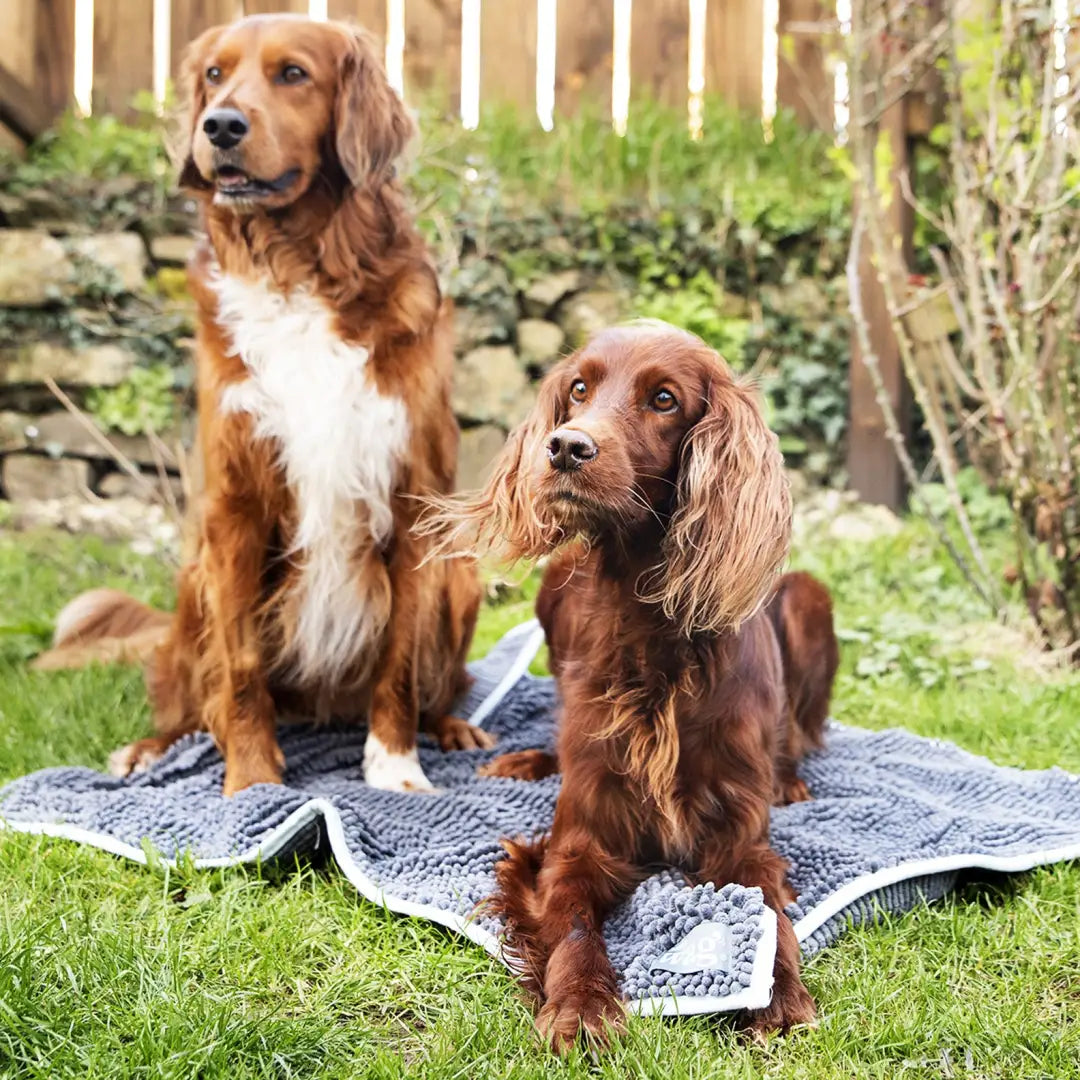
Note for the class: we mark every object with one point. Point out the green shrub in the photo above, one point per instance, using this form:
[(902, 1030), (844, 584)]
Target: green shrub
[(805, 379), (96, 148), (582, 163), (144, 401), (698, 306)]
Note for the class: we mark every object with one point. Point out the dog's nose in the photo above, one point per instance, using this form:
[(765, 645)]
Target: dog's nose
[(225, 127), (569, 449)]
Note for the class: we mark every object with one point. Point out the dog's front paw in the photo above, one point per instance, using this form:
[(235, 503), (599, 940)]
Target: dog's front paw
[(393, 771), (594, 1014), (136, 757), (792, 789), (521, 765), (791, 1006), (453, 733)]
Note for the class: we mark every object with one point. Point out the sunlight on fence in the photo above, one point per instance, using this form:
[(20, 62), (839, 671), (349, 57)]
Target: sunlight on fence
[(162, 38), (769, 64), (470, 63), (395, 44), (620, 67), (545, 63), (678, 49), (695, 82), (83, 79)]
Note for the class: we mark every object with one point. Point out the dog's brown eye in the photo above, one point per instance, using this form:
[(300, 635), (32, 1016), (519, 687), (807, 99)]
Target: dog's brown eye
[(293, 73), (578, 390), (664, 401), (213, 75)]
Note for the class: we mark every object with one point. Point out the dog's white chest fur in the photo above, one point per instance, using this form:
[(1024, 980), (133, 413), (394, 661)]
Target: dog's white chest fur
[(341, 444)]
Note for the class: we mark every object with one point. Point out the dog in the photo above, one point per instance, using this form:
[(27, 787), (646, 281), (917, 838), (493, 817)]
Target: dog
[(691, 679), (324, 360)]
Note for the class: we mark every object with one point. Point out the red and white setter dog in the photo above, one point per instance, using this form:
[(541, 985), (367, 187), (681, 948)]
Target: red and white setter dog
[(324, 361), (691, 680)]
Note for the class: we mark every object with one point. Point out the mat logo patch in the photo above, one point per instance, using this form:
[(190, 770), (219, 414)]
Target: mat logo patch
[(706, 948)]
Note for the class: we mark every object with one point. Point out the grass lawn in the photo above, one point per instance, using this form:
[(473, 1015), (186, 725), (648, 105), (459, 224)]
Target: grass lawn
[(108, 969)]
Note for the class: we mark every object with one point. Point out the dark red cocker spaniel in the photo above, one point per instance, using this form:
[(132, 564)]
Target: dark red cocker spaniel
[(692, 681)]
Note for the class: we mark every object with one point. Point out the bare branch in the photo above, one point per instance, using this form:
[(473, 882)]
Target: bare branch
[(102, 440)]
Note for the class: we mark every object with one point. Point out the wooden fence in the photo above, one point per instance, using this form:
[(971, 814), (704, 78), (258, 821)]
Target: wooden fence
[(39, 47)]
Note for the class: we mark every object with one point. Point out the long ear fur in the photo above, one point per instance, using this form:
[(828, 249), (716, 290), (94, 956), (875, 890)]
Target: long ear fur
[(372, 127), (730, 531), (191, 89), (502, 516)]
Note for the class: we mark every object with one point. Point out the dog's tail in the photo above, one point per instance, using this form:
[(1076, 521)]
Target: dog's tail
[(104, 626)]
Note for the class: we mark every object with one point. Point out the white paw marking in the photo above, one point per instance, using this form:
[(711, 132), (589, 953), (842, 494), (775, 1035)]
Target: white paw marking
[(393, 772)]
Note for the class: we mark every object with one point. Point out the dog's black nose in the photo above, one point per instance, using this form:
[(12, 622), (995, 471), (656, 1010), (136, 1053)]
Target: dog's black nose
[(225, 127), (569, 449)]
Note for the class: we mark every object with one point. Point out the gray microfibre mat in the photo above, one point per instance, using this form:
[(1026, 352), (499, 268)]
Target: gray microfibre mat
[(894, 819)]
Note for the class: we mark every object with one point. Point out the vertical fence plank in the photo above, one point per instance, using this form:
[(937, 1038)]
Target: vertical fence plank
[(873, 467), (508, 53), (273, 7), (17, 23), (583, 54), (659, 50), (433, 53), (734, 43), (54, 52), (370, 14), (802, 79), (191, 17), (123, 53), (17, 34), (873, 464)]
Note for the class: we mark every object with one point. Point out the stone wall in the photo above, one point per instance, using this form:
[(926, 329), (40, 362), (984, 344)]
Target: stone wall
[(87, 309), (73, 308), (93, 295), (507, 340)]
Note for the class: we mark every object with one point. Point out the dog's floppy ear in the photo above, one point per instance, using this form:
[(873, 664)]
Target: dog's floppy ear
[(371, 124), (731, 528), (191, 88), (502, 516)]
